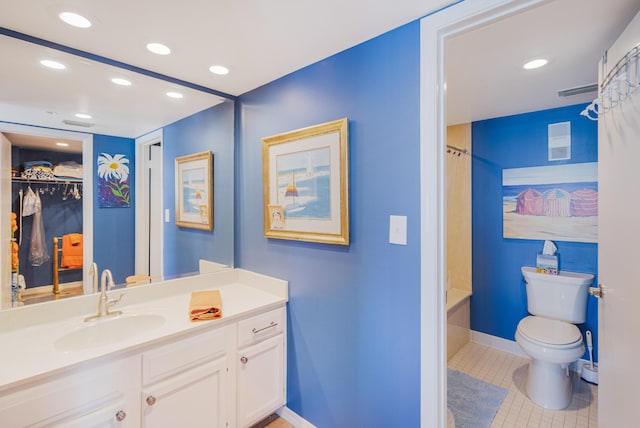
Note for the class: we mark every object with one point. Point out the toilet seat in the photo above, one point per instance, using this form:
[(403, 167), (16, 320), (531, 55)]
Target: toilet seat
[(554, 334)]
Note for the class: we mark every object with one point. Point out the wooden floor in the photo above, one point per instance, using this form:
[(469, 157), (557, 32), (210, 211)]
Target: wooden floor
[(273, 421), (279, 423), (45, 294)]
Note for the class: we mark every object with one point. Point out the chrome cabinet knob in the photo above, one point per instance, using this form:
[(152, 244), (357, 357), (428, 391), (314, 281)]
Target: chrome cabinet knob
[(121, 415), (151, 400), (244, 360)]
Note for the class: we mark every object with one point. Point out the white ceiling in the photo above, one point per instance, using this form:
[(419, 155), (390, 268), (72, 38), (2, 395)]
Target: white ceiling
[(485, 78), (260, 41)]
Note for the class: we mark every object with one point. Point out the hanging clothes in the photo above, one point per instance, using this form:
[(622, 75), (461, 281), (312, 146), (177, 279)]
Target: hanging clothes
[(38, 251), (29, 203)]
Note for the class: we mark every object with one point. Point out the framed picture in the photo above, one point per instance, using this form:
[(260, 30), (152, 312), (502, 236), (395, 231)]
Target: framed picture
[(113, 181), (558, 202), (306, 184), (194, 191)]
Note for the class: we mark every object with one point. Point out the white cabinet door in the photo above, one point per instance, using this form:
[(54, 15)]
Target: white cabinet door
[(100, 395), (195, 398), (260, 380)]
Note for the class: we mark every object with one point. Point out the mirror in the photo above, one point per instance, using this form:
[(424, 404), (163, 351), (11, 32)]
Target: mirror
[(138, 122)]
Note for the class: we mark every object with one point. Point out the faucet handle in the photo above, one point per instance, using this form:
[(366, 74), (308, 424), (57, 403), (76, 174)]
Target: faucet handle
[(113, 302)]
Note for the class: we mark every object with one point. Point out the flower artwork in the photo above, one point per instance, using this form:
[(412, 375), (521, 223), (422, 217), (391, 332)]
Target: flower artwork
[(113, 181)]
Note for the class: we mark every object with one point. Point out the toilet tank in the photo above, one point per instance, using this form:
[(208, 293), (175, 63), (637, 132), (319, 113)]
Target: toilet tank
[(562, 296)]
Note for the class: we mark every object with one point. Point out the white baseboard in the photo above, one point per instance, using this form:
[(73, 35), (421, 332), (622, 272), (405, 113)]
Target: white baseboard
[(496, 342), (293, 418), (512, 347)]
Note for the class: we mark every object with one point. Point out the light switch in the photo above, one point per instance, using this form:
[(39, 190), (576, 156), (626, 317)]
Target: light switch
[(398, 229), (167, 215)]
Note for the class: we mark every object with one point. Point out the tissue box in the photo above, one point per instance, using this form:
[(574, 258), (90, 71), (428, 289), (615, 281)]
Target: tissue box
[(546, 263)]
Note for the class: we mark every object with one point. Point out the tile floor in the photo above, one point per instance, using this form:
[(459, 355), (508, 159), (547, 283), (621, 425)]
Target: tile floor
[(517, 411)]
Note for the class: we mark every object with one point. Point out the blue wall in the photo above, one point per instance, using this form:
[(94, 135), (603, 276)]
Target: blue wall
[(499, 297), (354, 312), (114, 228), (210, 130)]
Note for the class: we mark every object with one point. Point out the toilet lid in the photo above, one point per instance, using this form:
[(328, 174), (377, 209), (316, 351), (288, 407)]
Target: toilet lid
[(552, 332)]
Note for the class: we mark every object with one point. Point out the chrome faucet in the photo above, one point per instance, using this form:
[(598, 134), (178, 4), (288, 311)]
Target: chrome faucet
[(106, 283)]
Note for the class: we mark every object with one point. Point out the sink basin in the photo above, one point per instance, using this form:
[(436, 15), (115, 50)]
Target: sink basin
[(108, 331)]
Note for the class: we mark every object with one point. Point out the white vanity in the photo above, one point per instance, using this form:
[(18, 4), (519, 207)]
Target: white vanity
[(151, 366)]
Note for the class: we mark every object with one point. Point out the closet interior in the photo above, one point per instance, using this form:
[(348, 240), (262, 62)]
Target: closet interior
[(46, 196)]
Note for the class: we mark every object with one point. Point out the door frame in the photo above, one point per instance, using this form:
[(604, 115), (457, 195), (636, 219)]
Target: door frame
[(143, 145), (434, 31), (87, 189)]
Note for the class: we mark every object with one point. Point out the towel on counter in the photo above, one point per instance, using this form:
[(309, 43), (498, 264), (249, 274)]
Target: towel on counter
[(205, 305), (72, 250)]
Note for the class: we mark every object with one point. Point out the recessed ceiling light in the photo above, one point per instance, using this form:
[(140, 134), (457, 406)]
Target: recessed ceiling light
[(53, 64), (75, 19), (61, 144), (158, 48), (219, 69), (121, 82), (536, 63), (172, 94), (83, 116)]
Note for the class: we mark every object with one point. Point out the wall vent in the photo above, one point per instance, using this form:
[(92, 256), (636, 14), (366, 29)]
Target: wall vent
[(559, 141), (584, 89)]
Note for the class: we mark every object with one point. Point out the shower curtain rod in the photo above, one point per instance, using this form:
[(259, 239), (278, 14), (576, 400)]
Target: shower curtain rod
[(458, 149)]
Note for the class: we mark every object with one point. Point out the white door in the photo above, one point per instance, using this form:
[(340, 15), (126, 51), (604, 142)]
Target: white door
[(155, 210), (618, 236), (149, 205)]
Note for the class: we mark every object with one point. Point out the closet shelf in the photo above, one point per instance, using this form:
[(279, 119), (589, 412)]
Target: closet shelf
[(56, 181)]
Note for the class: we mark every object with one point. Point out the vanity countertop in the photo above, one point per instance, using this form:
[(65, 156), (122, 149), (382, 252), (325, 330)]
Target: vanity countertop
[(29, 334)]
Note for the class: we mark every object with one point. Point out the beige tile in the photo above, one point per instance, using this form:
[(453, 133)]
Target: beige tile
[(508, 371)]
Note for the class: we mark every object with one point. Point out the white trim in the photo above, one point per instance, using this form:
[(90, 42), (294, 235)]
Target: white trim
[(434, 30), (293, 418), (506, 345), (142, 204), (87, 184), (5, 223)]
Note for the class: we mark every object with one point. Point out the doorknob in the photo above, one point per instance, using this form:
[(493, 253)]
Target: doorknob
[(598, 291)]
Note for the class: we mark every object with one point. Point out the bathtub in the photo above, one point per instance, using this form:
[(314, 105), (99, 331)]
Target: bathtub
[(458, 319)]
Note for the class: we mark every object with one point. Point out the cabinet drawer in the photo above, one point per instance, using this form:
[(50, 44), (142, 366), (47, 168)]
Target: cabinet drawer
[(261, 326), (168, 360)]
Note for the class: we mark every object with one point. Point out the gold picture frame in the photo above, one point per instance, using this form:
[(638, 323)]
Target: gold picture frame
[(194, 191), (305, 175)]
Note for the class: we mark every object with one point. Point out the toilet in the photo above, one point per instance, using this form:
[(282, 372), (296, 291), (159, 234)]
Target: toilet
[(549, 335)]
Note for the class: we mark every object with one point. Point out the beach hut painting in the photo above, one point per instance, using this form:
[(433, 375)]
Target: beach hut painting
[(558, 202)]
